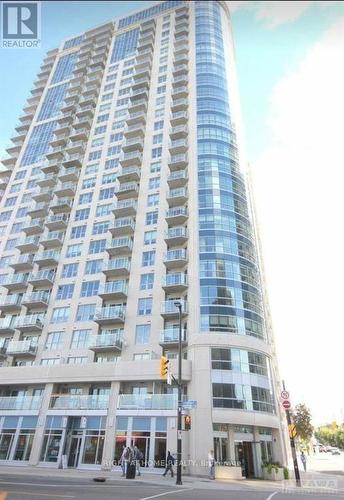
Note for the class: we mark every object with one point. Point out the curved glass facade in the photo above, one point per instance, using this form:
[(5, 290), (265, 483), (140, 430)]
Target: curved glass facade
[(229, 278)]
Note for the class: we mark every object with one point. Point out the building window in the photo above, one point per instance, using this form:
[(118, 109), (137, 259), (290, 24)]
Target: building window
[(81, 339), (77, 360), (54, 341), (89, 183), (142, 334), (155, 167), (148, 258), (100, 227), (78, 232), (146, 282), (82, 214), (93, 266), (157, 139), (154, 183), (103, 210), (85, 312), (151, 218), (74, 250), (150, 237), (10, 201), (153, 200), (97, 246), (85, 198), (65, 292), (89, 288), (107, 193), (144, 306), (159, 125), (156, 152), (70, 270), (92, 169), (60, 315)]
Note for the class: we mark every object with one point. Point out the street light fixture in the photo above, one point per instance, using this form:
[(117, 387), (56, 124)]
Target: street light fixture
[(178, 305)]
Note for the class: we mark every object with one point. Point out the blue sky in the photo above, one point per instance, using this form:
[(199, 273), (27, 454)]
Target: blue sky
[(291, 79)]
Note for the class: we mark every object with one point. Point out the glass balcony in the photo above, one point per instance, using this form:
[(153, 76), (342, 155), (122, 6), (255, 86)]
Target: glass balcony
[(42, 278), (23, 262), (47, 180), (127, 190), (179, 69), (147, 402), (179, 118), (179, 132), (143, 63), (178, 146), (175, 258), (176, 236), (114, 290), (110, 314), (47, 258), (131, 159), (58, 221), (178, 94), (178, 161), (179, 105), (52, 239), (122, 226), (79, 402), (20, 403), (177, 179), (15, 281), (177, 196), (75, 147), (42, 194), (120, 246), (170, 337), (22, 348), (65, 189), (33, 226), (31, 322), (124, 208), (170, 310), (136, 117), (51, 166), (11, 303), (133, 144), (175, 282), (79, 134), (176, 216), (72, 160), (69, 174), (7, 325), (129, 174), (117, 267), (38, 210), (36, 299), (61, 205), (29, 244), (136, 130), (107, 342)]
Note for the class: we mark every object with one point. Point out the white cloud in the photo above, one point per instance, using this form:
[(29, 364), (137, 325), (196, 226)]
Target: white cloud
[(299, 188), (275, 13)]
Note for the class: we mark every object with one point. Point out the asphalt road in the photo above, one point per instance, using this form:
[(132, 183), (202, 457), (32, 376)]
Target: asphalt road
[(20, 487)]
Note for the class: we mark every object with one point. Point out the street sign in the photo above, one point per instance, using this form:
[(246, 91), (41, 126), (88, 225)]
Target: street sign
[(292, 430), (286, 404), (285, 395), (191, 403)]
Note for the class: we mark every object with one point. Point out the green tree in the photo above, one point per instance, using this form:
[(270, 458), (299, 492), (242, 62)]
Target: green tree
[(302, 419)]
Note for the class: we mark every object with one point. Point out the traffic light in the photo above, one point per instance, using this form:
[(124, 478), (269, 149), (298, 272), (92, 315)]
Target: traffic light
[(187, 422), (164, 367)]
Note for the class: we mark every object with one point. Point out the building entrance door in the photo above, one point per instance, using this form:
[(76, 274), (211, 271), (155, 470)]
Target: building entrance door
[(142, 442), (244, 454), (74, 451)]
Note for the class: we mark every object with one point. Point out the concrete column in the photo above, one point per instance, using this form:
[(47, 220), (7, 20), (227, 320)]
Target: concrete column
[(109, 442), (257, 454), (231, 447), (277, 447), (38, 437)]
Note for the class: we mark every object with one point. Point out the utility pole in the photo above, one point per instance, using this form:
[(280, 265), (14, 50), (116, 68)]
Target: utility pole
[(178, 304), (292, 445)]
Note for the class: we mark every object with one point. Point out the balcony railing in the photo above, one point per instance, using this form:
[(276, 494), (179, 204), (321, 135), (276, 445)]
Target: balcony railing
[(79, 402), (17, 347), (147, 402), (169, 307), (116, 288), (31, 320), (110, 313), (105, 341), (171, 336), (20, 403), (10, 300), (175, 280)]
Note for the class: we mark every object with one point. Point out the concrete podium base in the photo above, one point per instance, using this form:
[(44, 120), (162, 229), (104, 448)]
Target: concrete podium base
[(227, 472)]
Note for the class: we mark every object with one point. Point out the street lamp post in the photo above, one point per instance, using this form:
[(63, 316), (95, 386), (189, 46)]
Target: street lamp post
[(179, 416)]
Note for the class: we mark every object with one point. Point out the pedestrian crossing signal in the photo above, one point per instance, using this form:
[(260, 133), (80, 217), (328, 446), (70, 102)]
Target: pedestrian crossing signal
[(187, 422), (164, 367)]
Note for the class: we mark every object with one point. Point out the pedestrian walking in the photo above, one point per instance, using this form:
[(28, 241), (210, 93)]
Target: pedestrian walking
[(211, 464), (169, 464), (304, 461), (138, 456), (125, 457)]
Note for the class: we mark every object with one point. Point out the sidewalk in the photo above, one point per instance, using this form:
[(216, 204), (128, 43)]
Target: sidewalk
[(315, 483)]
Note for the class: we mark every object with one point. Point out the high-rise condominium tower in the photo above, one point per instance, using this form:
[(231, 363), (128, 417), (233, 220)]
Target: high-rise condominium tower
[(123, 194)]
